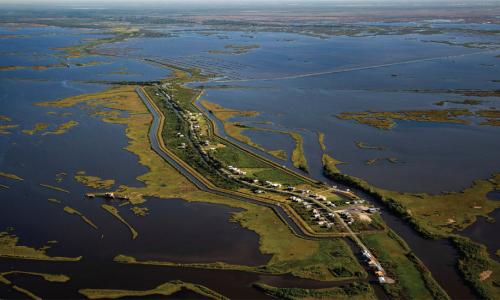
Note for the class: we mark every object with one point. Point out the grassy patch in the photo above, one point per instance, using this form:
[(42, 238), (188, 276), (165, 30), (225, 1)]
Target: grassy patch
[(9, 248), (140, 211), (330, 163), (275, 175), (492, 117), (478, 269), (45, 276), (63, 128), (114, 211), (355, 291), (73, 211), (298, 157), (55, 188), (386, 120), (4, 118), (10, 176), (395, 258), (321, 141), (38, 127), (4, 129), (166, 289), (362, 145), (94, 181), (234, 49)]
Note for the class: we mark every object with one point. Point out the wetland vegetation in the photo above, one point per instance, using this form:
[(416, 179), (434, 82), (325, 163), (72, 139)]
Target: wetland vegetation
[(45, 276), (62, 128), (116, 213), (10, 248), (93, 181), (38, 127), (73, 211), (356, 291), (235, 49), (165, 289), (10, 176)]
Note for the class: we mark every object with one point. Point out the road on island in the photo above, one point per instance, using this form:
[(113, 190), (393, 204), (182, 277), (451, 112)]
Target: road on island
[(155, 145), (296, 229)]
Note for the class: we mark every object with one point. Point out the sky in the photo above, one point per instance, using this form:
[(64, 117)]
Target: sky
[(223, 3)]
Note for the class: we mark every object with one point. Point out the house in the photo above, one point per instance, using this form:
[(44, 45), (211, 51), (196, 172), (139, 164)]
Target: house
[(236, 171), (381, 279), (258, 192), (295, 199)]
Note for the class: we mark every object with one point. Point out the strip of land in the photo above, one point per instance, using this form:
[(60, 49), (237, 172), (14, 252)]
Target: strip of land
[(166, 289)]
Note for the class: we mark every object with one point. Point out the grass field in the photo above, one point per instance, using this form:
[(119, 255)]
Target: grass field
[(396, 259), (354, 291)]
